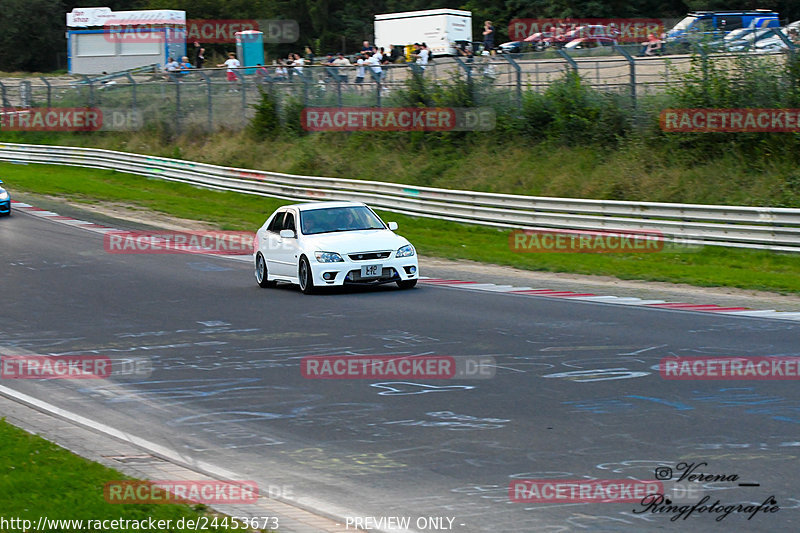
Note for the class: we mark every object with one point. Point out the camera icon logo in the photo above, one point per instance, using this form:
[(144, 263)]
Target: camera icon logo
[(663, 473)]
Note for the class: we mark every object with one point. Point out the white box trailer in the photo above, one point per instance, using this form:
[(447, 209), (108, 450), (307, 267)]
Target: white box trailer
[(440, 29)]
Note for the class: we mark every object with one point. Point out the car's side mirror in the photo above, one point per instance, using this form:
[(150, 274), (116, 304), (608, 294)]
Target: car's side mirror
[(287, 234), (392, 225)]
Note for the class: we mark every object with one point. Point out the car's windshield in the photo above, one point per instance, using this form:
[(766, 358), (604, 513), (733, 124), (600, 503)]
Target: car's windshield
[(684, 24), (338, 219)]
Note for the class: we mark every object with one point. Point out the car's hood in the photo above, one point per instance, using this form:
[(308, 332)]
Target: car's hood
[(346, 242)]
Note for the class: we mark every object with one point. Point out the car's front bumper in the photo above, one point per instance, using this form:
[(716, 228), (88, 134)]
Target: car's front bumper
[(349, 272), (5, 207)]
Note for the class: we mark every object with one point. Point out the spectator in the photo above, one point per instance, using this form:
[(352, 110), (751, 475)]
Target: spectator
[(200, 58), (651, 46), (366, 48), (375, 64), (280, 71), (309, 55), (384, 58), (329, 59), (423, 56), (263, 72), (341, 61), (465, 51), (297, 64), (171, 69), (488, 37), (185, 65), (232, 63), (360, 68), (378, 55)]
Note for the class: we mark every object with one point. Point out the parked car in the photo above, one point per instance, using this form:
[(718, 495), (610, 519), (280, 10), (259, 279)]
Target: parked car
[(590, 42), (325, 244), (539, 40), (512, 47), (752, 39), (707, 26), (773, 43), (5, 202)]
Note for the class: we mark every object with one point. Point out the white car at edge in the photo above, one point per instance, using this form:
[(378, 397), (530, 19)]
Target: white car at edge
[(328, 244)]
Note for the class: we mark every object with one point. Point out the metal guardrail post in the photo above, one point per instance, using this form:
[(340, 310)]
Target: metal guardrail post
[(632, 62), (90, 83), (569, 59), (518, 70), (177, 103), (244, 96), (133, 90), (210, 102), (4, 95), (49, 91)]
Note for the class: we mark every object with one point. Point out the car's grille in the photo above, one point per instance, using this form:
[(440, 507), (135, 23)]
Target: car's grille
[(367, 256), (388, 273)]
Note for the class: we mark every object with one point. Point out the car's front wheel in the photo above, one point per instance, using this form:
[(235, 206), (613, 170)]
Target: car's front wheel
[(407, 284), (261, 273), (305, 276)]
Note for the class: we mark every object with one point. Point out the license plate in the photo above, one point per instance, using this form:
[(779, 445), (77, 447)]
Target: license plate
[(371, 271)]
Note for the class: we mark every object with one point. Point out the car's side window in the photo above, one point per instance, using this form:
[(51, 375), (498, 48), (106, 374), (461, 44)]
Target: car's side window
[(288, 222), (277, 223)]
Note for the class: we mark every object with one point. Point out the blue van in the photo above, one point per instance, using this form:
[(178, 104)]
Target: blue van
[(709, 25)]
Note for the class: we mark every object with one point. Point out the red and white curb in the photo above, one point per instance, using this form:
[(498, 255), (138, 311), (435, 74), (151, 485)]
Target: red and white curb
[(619, 300), (488, 287)]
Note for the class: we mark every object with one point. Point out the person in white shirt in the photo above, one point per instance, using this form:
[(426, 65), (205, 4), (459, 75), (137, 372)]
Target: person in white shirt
[(360, 69), (232, 63), (298, 64), (423, 56), (375, 64)]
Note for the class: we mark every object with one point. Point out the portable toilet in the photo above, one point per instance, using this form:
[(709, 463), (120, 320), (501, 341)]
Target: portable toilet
[(250, 49)]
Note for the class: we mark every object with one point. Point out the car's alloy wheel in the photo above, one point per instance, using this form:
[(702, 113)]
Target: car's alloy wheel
[(304, 275), (261, 273)]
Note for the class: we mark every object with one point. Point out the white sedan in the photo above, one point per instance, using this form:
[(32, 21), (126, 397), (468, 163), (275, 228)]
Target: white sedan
[(326, 244)]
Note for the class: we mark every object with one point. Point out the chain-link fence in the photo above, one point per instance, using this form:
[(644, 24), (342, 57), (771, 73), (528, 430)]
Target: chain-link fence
[(206, 100)]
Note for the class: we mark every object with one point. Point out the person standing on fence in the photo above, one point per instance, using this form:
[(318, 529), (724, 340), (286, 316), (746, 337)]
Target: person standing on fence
[(232, 63), (488, 37)]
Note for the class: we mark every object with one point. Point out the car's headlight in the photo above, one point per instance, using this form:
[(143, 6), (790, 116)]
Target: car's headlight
[(405, 251), (3, 195), (328, 257)]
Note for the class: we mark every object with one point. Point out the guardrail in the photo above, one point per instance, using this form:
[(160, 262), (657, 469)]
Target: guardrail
[(768, 228)]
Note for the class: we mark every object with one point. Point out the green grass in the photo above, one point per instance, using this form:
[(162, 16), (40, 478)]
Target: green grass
[(711, 266), (40, 479)]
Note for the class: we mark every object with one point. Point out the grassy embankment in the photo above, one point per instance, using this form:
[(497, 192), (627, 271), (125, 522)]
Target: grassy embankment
[(40, 479)]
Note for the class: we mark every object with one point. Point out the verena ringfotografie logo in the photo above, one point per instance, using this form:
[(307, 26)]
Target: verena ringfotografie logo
[(730, 120), (730, 368), (181, 491), (592, 242), (179, 242), (397, 367), (398, 119), (620, 30), (74, 367), (582, 490)]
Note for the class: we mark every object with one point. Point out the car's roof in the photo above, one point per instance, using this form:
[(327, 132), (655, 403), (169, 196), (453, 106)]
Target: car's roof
[(308, 206)]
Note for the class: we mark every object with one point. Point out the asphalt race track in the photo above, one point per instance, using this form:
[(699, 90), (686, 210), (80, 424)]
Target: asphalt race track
[(576, 393)]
